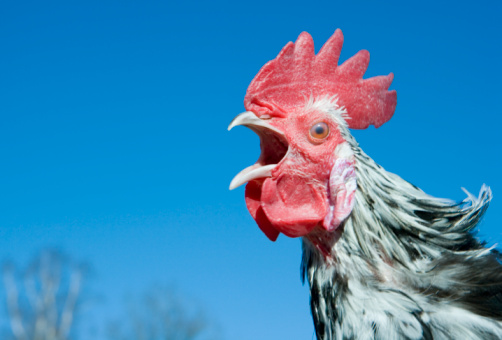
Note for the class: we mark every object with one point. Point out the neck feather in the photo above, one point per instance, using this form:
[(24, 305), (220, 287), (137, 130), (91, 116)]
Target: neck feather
[(399, 255)]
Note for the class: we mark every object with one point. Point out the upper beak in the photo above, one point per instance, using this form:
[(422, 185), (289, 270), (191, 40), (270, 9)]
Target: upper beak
[(250, 120)]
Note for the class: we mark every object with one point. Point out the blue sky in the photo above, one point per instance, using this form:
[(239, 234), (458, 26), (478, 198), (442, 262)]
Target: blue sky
[(113, 141)]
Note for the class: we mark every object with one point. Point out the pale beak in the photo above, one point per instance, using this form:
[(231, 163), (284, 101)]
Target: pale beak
[(250, 120), (264, 130)]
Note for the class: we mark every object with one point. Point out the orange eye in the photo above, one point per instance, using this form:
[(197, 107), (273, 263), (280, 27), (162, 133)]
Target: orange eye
[(319, 131)]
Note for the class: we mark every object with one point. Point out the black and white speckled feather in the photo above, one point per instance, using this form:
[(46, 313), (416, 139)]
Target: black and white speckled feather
[(405, 265)]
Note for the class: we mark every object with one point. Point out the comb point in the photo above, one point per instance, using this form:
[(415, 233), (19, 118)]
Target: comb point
[(297, 73)]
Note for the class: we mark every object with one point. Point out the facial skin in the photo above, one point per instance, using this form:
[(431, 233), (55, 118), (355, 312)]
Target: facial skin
[(300, 192)]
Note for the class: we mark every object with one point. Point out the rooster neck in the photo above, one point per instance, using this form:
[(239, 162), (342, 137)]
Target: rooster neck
[(404, 265)]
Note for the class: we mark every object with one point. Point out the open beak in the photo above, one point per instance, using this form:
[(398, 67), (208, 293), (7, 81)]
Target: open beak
[(273, 148)]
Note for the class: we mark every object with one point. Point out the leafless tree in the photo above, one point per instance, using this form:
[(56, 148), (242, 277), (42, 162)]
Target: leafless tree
[(161, 314), (42, 300), (45, 299)]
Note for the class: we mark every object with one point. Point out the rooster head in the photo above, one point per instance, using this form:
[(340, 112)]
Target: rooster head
[(300, 105)]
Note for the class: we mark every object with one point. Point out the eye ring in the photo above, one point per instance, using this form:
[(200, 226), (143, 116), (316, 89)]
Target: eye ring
[(319, 132)]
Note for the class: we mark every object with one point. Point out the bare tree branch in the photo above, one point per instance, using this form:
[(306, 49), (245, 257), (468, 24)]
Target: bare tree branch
[(161, 315), (69, 306), (47, 308), (16, 319)]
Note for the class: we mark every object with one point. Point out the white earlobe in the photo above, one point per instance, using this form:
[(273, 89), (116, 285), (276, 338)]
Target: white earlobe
[(342, 188)]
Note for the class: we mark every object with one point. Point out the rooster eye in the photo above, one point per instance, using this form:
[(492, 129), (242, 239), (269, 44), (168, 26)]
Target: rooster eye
[(319, 131)]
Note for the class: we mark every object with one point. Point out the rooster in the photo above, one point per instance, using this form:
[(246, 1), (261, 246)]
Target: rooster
[(383, 259)]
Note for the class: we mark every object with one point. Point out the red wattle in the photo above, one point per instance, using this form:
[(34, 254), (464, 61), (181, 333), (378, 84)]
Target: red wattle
[(253, 195), (292, 205)]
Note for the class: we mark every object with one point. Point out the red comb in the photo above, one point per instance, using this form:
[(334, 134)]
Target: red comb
[(297, 73)]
